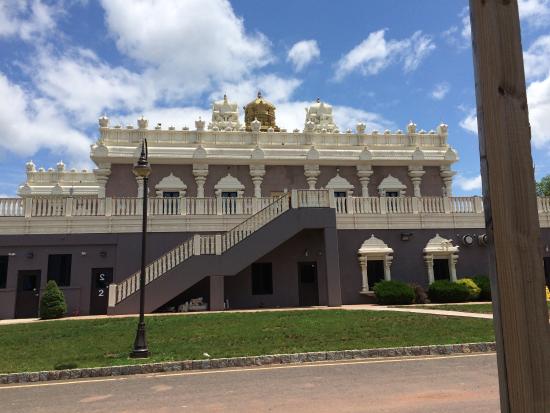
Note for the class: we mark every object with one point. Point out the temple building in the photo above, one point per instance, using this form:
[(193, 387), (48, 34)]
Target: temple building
[(242, 215)]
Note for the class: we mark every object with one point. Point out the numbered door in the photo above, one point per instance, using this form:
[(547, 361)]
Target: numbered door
[(28, 294), (99, 299)]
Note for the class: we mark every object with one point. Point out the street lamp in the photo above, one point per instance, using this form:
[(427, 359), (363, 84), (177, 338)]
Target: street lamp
[(142, 170)]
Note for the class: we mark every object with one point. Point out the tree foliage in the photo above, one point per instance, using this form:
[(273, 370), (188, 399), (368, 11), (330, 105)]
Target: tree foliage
[(52, 303), (543, 186)]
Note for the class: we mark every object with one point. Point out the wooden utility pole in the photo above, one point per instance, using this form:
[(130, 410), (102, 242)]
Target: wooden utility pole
[(511, 218)]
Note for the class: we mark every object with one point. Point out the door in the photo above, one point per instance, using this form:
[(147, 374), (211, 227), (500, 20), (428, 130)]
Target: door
[(99, 298), (375, 272), (307, 284), (441, 269), (547, 270), (28, 294)]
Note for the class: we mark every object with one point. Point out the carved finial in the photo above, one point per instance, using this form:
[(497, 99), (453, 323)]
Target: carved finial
[(225, 97), (104, 121), (142, 122), (199, 124), (30, 166), (318, 100), (60, 166), (360, 127), (259, 94), (411, 127)]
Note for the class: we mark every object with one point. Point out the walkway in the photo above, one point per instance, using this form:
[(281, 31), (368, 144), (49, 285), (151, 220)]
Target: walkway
[(352, 307)]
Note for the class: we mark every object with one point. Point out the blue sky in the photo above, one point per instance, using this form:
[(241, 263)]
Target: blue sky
[(64, 63)]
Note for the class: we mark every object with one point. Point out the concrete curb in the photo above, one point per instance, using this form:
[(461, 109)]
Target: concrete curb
[(29, 377)]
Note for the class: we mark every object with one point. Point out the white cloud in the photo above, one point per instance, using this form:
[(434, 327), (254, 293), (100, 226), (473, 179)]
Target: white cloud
[(82, 84), (274, 88), (538, 97), (468, 184), (375, 54), (26, 19), (535, 12), (173, 116), (460, 36), (29, 124), (469, 123), (303, 53), (440, 91), (186, 46), (537, 58)]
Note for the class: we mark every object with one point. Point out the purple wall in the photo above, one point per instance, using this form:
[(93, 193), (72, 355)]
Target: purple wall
[(432, 183), (284, 259), (408, 259), (122, 182)]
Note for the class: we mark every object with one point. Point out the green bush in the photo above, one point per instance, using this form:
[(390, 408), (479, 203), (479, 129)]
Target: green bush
[(448, 292), (484, 283), (52, 303), (393, 292), (472, 288)]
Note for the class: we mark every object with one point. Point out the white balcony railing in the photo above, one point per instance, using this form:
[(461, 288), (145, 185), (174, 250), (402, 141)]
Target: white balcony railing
[(247, 206)]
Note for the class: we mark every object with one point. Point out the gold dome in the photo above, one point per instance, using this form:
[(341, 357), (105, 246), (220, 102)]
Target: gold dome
[(262, 110)]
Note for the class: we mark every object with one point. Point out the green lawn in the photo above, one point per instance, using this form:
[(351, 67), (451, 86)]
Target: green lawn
[(468, 308), (104, 342)]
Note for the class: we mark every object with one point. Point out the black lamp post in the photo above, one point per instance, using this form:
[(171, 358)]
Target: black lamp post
[(142, 170)]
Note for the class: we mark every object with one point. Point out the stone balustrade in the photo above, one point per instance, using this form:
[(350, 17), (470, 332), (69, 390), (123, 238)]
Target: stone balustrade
[(122, 137), (87, 207)]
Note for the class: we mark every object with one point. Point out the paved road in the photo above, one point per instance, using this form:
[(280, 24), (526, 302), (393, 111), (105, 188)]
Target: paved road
[(452, 384)]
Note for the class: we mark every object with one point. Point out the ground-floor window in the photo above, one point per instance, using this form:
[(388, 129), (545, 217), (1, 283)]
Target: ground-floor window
[(3, 270), (59, 269), (262, 278)]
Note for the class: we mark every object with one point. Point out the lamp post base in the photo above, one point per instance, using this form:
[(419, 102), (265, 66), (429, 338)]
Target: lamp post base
[(140, 349)]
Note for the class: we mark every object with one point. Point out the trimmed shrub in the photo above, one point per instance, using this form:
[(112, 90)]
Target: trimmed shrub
[(52, 303), (448, 292), (472, 288), (393, 292), (420, 294), (483, 282)]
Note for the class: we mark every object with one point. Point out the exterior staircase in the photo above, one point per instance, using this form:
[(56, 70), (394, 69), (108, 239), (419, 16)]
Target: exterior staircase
[(224, 254)]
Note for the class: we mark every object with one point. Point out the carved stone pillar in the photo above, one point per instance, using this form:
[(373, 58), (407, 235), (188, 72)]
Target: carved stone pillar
[(139, 181), (447, 177), (364, 275), (364, 172), (387, 267), (200, 172), (257, 172), (429, 260), (452, 266), (311, 172), (102, 177), (416, 173)]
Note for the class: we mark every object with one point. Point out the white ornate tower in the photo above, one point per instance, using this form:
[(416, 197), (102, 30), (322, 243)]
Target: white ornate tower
[(319, 118), (225, 115)]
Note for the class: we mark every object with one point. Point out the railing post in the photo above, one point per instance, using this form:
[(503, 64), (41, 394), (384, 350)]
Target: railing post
[(108, 206), (294, 198), (349, 205), (28, 207), (331, 199), (447, 205), (478, 205), (219, 205), (415, 203), (383, 205), (112, 295), (218, 244), (68, 207), (196, 244)]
